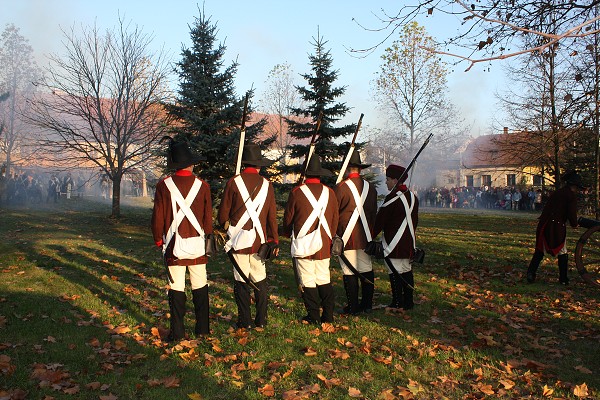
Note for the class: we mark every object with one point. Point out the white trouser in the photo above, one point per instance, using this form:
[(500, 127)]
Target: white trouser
[(313, 272), (197, 276), (360, 260), (401, 265), (251, 265)]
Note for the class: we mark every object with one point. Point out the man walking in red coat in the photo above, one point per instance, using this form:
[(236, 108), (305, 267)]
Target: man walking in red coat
[(181, 220), (551, 232)]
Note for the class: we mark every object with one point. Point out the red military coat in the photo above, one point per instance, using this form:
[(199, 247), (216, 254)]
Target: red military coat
[(162, 214), (298, 209), (347, 205), (390, 218), (551, 231), (232, 207)]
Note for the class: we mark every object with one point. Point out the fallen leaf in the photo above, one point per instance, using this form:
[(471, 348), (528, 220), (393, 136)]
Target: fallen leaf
[(267, 390), (353, 392), (309, 352), (581, 390), (507, 383), (546, 391)]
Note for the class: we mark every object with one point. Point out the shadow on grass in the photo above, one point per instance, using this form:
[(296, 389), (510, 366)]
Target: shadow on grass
[(56, 348)]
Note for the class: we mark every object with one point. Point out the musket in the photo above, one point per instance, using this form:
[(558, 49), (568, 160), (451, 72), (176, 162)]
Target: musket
[(352, 269), (425, 143), (350, 151), (238, 164), (311, 148)]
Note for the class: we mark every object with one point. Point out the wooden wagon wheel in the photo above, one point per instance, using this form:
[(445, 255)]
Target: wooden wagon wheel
[(587, 256)]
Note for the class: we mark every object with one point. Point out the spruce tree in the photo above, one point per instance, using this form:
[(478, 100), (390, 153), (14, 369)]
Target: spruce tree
[(207, 111), (320, 97)]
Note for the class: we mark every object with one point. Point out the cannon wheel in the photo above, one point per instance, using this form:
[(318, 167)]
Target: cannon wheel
[(587, 256)]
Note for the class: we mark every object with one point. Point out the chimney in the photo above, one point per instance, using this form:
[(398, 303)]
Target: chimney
[(506, 130)]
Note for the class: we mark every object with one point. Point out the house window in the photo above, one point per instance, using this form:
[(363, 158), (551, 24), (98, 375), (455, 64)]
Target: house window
[(537, 180), (486, 180), (469, 180), (511, 180)]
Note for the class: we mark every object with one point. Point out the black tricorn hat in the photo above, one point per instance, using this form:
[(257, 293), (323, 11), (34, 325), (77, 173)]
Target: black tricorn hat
[(574, 179), (251, 155), (314, 167), (179, 155), (355, 161)]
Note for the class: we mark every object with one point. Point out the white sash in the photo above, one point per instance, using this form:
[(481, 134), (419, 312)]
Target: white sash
[(240, 238), (184, 248), (303, 244), (387, 248), (359, 200)]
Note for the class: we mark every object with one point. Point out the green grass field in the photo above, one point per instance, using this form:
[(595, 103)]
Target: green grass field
[(83, 302)]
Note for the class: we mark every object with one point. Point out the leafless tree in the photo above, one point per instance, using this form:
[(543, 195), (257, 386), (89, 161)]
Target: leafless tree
[(101, 104), (279, 97), (410, 88), (18, 71), (487, 29)]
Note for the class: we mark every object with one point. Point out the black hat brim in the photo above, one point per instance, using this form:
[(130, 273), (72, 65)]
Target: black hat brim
[(196, 159), (264, 162), (361, 166)]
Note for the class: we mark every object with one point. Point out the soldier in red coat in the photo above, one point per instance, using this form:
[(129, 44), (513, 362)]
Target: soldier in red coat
[(397, 218), (311, 219), (248, 211), (181, 220), (551, 232), (357, 201)]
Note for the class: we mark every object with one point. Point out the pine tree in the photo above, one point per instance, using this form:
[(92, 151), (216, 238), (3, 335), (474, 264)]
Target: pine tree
[(320, 97), (207, 111)]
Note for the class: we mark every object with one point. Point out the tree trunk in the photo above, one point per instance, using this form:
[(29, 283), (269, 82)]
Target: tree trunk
[(116, 197)]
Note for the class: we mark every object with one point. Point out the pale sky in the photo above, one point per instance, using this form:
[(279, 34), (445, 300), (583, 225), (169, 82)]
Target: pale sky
[(261, 34)]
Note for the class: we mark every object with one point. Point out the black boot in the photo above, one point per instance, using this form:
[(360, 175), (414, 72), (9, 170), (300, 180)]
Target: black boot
[(177, 309), (563, 268), (241, 292), (533, 265), (396, 286), (327, 301), (351, 288), (366, 301), (408, 284), (200, 299), (310, 296), (261, 297)]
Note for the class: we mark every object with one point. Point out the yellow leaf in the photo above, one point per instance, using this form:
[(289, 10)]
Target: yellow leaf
[(195, 396), (546, 391), (353, 392), (507, 383), (581, 390), (309, 351)]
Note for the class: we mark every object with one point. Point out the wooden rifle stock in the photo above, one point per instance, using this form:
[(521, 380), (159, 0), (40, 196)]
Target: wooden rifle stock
[(238, 164), (311, 149), (350, 151)]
